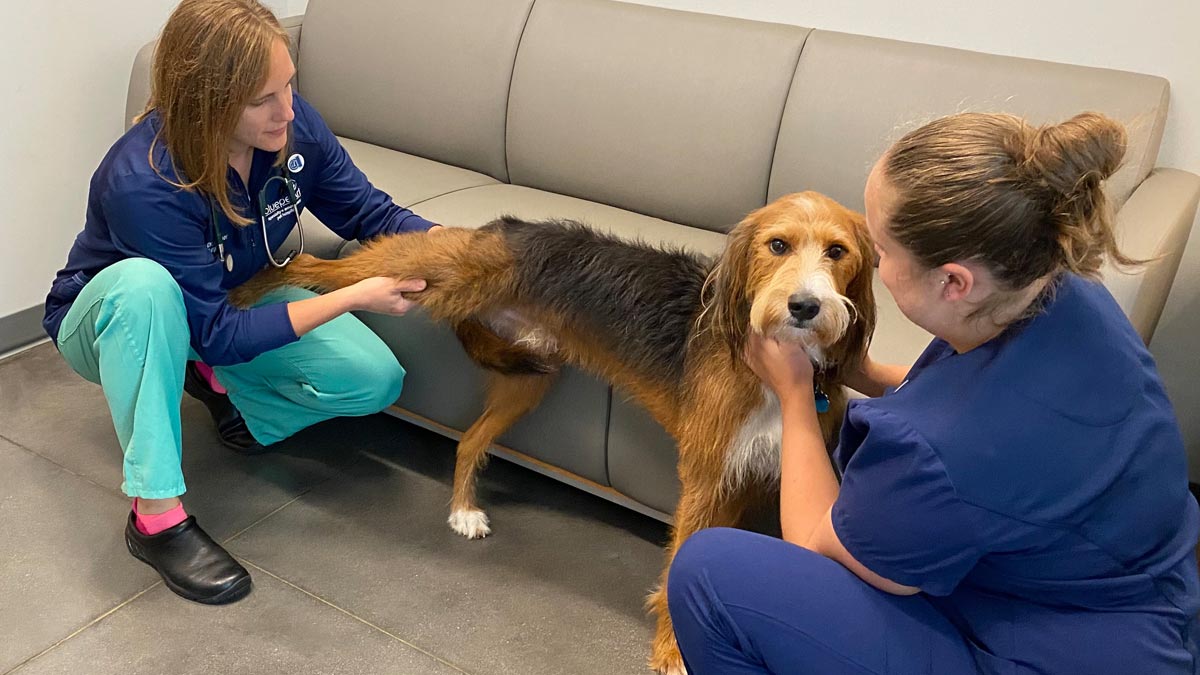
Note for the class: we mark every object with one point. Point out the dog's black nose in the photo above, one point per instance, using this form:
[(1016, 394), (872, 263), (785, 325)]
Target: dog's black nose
[(804, 309)]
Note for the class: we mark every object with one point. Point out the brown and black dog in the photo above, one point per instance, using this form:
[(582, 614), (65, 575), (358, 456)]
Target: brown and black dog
[(665, 326)]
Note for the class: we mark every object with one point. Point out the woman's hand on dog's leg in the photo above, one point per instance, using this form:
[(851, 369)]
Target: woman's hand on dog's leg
[(385, 295)]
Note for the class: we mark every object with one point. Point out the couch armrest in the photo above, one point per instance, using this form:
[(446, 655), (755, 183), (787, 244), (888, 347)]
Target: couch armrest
[(1174, 349), (139, 76), (1154, 223), (292, 25), (139, 83)]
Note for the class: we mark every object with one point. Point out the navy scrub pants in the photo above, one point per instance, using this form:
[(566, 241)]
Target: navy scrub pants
[(744, 603)]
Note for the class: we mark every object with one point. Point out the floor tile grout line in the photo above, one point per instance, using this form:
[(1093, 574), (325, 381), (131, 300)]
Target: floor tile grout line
[(354, 616), (82, 628), (273, 511), (66, 468)]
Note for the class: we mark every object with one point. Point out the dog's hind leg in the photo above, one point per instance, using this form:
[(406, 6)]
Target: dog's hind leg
[(305, 271), (509, 397), (465, 270)]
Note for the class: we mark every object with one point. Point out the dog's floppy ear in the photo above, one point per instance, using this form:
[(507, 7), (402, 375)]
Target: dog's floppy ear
[(861, 293), (726, 294)]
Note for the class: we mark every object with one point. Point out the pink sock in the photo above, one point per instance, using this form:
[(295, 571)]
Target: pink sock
[(209, 376), (157, 522)]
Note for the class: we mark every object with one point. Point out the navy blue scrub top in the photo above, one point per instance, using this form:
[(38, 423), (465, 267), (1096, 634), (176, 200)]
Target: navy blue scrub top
[(133, 212), (1035, 488)]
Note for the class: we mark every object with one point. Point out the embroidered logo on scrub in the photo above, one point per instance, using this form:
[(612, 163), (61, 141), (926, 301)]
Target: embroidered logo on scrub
[(282, 207)]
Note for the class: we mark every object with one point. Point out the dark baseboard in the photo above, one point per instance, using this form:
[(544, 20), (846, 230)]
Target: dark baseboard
[(20, 329)]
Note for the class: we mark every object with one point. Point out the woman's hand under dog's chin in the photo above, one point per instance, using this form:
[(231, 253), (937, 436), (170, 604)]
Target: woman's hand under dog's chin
[(784, 366)]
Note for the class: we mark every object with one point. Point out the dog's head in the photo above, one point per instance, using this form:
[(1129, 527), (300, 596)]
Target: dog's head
[(799, 268)]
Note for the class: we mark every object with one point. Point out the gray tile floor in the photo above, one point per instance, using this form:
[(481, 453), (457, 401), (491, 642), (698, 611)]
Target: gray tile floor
[(344, 532)]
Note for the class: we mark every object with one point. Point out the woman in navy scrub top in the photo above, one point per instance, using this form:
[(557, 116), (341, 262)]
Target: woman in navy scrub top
[(188, 204), (1016, 502)]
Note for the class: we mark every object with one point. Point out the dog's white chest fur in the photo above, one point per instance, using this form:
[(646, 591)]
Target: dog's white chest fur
[(754, 452)]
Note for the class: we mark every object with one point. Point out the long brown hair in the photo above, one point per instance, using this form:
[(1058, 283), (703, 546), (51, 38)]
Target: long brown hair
[(211, 60), (1025, 201)]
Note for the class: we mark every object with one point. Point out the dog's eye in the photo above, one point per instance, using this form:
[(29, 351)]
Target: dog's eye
[(836, 252), (778, 246)]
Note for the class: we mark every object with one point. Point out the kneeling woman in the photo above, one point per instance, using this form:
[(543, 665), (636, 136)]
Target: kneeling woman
[(1017, 502)]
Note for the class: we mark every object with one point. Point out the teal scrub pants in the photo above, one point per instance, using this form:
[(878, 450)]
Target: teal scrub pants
[(128, 332)]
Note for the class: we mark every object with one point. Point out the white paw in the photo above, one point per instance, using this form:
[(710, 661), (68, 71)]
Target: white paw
[(675, 670), (470, 523)]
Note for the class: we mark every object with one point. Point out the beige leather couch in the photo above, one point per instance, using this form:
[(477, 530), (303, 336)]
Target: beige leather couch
[(667, 126)]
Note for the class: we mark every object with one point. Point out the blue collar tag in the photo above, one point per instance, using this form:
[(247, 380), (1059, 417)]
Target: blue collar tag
[(820, 398)]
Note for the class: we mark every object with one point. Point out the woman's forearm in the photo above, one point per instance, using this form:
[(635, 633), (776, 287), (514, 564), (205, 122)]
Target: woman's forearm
[(309, 313), (874, 378), (808, 486)]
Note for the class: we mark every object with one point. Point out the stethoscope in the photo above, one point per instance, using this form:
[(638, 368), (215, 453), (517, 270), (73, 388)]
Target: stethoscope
[(289, 185)]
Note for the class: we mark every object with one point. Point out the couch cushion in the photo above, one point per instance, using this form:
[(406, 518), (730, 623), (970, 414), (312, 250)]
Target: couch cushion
[(666, 113), (479, 205), (642, 457), (426, 78), (407, 178), (853, 96)]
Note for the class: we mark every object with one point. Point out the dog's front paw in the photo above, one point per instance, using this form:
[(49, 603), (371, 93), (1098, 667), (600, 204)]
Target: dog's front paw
[(470, 523)]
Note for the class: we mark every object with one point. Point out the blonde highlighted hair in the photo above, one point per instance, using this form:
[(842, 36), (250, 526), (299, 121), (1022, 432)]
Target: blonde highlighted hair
[(210, 62)]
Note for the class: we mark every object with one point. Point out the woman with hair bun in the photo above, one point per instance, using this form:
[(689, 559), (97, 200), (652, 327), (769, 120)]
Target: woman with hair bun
[(1015, 502)]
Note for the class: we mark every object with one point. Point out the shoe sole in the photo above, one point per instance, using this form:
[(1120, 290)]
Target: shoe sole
[(260, 450), (230, 595)]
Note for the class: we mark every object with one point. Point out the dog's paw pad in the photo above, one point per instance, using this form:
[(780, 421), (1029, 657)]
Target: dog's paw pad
[(470, 523)]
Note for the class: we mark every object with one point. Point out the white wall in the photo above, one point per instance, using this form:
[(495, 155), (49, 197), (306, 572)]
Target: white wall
[(64, 67), (63, 71)]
